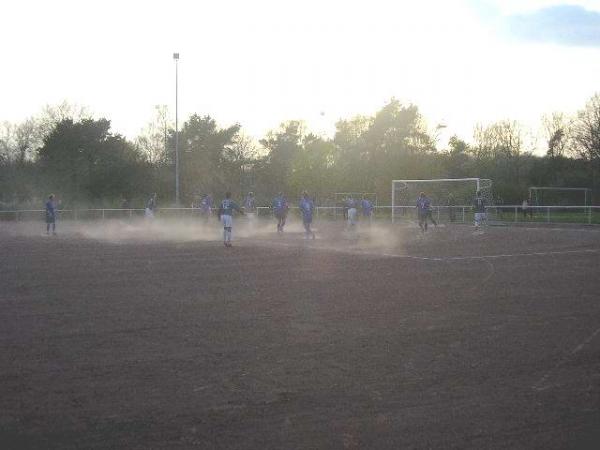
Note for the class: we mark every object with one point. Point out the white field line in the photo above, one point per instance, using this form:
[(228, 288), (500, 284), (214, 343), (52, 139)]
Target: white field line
[(542, 385), (352, 251)]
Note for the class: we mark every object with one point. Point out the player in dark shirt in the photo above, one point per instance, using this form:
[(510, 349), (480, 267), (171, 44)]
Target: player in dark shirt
[(479, 209), (424, 211), (307, 207), (226, 216), (51, 215), (280, 209)]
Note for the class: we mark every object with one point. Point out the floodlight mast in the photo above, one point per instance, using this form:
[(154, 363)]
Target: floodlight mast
[(176, 58)]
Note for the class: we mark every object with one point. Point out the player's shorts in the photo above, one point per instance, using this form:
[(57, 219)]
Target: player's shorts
[(280, 214), (352, 216), (149, 213), (479, 217), (50, 218), (307, 219), (227, 220)]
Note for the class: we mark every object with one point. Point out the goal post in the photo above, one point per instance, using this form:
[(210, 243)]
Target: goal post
[(560, 196), (458, 192)]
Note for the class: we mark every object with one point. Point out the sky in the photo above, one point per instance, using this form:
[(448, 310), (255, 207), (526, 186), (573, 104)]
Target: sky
[(462, 62)]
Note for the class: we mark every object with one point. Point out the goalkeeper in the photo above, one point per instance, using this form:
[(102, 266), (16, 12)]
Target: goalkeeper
[(424, 211), (479, 209)]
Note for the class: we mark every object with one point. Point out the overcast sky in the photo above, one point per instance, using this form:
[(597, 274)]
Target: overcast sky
[(262, 62)]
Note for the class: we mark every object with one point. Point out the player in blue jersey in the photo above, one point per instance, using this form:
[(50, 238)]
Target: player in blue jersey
[(424, 211), (150, 207), (250, 206), (367, 209), (351, 211), (206, 205), (51, 215), (280, 210), (479, 209), (226, 216), (307, 207)]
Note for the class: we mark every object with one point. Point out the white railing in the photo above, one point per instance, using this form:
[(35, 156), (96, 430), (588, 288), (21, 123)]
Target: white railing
[(548, 214), (443, 214)]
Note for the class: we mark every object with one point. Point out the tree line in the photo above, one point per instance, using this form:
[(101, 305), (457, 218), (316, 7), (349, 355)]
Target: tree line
[(67, 151)]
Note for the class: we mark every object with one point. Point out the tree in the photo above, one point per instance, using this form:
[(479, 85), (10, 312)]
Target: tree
[(351, 154), (394, 143), (51, 115), (456, 159), (499, 152), (85, 161), (153, 142), (6, 142), (312, 167), (556, 130), (203, 148), (586, 135), (239, 159), (282, 148)]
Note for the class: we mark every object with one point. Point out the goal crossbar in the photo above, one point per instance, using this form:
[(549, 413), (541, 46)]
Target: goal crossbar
[(587, 192)]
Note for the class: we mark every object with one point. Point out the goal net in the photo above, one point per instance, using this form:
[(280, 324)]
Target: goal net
[(560, 196), (445, 192)]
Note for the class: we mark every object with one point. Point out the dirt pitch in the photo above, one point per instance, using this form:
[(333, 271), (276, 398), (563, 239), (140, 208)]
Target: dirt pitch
[(123, 335)]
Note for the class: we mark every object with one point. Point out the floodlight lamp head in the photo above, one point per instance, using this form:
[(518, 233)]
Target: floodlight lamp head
[(175, 56)]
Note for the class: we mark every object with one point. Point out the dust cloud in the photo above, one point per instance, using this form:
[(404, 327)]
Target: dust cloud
[(375, 237)]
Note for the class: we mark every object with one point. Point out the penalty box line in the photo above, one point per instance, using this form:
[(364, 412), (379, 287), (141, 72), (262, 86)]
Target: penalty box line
[(350, 251)]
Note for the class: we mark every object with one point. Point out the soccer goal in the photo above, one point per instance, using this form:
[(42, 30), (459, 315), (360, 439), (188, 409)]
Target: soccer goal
[(560, 196), (446, 192)]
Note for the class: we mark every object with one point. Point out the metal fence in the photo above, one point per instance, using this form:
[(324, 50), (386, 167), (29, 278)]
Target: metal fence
[(442, 214)]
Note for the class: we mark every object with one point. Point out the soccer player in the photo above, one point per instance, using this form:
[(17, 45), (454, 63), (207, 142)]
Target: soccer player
[(51, 215), (226, 216), (351, 205), (206, 205), (150, 207), (451, 203), (524, 207), (280, 209), (424, 211), (307, 206), (250, 206), (479, 208), (367, 209)]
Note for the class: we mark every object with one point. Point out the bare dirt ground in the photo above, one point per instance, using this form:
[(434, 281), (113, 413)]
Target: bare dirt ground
[(150, 336)]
